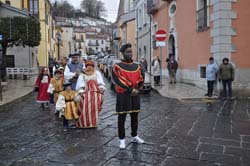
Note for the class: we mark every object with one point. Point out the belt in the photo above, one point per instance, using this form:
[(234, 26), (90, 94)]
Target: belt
[(58, 91), (68, 101)]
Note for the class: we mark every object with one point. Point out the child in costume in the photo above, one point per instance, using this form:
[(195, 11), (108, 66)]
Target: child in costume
[(41, 86), (67, 106), (56, 85)]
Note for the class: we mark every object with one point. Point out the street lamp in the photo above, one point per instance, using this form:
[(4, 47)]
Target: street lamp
[(58, 37)]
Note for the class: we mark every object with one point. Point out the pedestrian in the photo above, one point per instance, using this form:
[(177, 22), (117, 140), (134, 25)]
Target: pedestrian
[(128, 77), (144, 64), (91, 82), (226, 75), (41, 86), (56, 85), (211, 73), (51, 64), (172, 66), (156, 63), (73, 70), (66, 105)]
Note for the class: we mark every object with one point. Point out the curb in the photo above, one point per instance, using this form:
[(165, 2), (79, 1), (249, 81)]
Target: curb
[(15, 101)]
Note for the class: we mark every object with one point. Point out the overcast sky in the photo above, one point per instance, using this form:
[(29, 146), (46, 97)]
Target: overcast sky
[(111, 6)]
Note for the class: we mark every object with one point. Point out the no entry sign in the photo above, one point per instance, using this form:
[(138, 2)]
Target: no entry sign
[(160, 35)]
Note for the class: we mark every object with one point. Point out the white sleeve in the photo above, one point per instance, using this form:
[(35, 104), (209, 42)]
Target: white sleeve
[(100, 81), (80, 82), (53, 70), (67, 74), (60, 104), (51, 89), (99, 78)]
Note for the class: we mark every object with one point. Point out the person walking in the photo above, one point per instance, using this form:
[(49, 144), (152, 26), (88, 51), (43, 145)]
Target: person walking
[(129, 78), (91, 82), (73, 70), (211, 72), (56, 86), (144, 64), (172, 66), (226, 75), (41, 86), (66, 105), (156, 70)]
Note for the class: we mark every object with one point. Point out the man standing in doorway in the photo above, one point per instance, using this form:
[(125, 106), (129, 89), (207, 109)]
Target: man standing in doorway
[(172, 68)]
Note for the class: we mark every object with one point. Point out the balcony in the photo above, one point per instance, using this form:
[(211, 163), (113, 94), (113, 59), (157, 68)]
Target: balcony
[(152, 6)]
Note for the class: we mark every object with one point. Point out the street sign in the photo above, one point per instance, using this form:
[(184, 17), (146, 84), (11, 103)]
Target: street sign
[(161, 44), (1, 37), (160, 35)]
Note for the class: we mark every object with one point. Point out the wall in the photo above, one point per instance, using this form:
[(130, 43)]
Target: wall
[(23, 56), (131, 33)]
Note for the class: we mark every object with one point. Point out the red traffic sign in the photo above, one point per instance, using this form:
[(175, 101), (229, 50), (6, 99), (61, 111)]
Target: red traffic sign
[(160, 35)]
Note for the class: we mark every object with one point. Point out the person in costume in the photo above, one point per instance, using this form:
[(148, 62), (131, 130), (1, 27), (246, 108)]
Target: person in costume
[(91, 82), (72, 70), (129, 78), (41, 86), (56, 85), (67, 106)]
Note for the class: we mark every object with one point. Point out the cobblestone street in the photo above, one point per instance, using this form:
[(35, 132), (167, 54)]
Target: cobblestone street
[(177, 133)]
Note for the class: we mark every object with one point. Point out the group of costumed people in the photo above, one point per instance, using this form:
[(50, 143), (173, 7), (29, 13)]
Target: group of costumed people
[(77, 91), (81, 98)]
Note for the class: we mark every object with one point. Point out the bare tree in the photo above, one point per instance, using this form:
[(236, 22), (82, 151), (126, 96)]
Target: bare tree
[(93, 8)]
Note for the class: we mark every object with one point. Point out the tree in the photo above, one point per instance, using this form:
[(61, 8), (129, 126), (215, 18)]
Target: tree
[(63, 9), (94, 8), (18, 31)]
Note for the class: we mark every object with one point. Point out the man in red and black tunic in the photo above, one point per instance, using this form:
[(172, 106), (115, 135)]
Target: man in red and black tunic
[(129, 78)]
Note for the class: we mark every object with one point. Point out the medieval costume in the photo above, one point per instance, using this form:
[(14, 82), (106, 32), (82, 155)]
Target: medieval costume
[(129, 78), (72, 70), (92, 83), (41, 86), (56, 85), (66, 105)]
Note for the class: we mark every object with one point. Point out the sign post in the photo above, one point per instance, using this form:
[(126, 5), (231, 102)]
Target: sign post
[(161, 36)]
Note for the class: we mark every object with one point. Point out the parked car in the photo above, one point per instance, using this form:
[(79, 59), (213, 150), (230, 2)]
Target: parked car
[(107, 60), (111, 65)]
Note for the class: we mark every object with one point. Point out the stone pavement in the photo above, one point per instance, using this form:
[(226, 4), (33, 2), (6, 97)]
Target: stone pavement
[(16, 89), (178, 90), (187, 133)]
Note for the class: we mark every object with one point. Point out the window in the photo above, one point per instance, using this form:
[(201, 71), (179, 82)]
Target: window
[(202, 71), (33, 7), (140, 18), (202, 19), (102, 41), (145, 51), (81, 37), (145, 15), (7, 2), (172, 9)]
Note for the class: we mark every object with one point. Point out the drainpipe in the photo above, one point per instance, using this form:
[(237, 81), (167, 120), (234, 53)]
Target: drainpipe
[(150, 45)]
